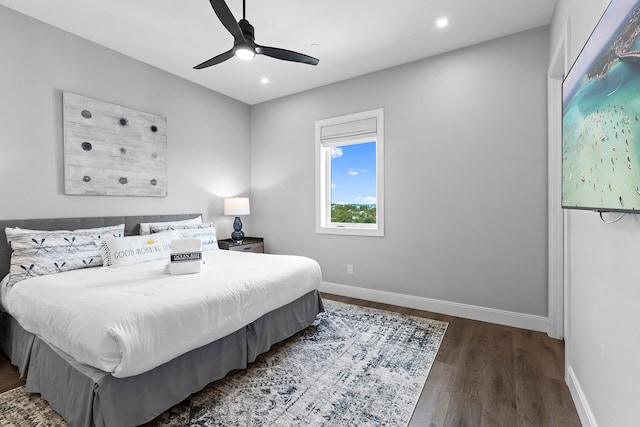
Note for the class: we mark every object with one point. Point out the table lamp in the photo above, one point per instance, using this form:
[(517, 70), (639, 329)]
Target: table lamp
[(237, 206)]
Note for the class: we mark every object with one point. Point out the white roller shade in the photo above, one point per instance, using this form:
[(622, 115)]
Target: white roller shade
[(335, 134)]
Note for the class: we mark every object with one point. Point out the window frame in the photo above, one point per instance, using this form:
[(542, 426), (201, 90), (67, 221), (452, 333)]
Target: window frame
[(323, 175)]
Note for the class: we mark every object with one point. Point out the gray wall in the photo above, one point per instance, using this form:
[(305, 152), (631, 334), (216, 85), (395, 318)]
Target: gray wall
[(465, 177), (465, 159), (602, 342), (207, 132)]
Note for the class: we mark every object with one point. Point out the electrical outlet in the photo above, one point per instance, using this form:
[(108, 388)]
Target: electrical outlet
[(349, 269)]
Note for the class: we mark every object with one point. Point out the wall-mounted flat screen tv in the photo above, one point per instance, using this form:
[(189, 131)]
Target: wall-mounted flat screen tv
[(601, 116)]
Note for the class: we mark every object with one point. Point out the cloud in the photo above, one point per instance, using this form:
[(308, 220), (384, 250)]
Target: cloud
[(368, 200), (336, 152), (333, 185), (356, 171)]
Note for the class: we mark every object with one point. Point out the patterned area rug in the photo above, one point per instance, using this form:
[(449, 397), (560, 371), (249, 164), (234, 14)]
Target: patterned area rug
[(355, 366)]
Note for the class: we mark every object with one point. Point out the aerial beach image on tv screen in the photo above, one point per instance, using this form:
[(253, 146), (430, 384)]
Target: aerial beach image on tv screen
[(601, 116)]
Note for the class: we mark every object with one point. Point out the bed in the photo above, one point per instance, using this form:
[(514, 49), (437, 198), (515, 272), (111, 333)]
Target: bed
[(136, 386)]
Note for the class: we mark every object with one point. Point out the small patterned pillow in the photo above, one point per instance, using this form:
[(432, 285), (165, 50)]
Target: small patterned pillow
[(145, 227), (40, 252), (137, 249), (206, 232)]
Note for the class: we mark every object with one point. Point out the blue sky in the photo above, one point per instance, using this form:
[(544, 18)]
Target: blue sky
[(353, 174)]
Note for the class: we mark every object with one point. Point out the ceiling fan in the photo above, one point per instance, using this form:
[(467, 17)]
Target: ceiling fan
[(244, 45)]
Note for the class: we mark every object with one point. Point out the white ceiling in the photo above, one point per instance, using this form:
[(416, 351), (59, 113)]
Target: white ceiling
[(354, 37)]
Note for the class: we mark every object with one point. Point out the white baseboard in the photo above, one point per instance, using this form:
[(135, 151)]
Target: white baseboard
[(582, 406), (491, 315)]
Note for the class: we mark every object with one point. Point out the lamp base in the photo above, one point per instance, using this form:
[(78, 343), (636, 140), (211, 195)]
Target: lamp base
[(237, 235)]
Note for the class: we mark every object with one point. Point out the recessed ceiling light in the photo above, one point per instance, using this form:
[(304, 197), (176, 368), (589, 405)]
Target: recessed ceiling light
[(264, 80), (442, 22), (315, 45)]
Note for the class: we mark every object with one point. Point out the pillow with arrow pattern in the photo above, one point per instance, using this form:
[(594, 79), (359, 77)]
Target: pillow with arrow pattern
[(40, 252)]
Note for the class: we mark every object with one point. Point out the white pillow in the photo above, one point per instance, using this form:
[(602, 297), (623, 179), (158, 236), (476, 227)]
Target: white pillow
[(145, 227), (40, 252), (118, 252), (205, 232)]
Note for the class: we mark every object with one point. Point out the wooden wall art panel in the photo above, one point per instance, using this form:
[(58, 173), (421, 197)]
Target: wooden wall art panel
[(110, 150)]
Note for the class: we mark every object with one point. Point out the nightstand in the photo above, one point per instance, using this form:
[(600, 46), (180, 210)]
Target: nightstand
[(249, 244)]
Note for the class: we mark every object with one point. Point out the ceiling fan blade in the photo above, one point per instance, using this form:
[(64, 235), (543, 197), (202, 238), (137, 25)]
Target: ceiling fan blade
[(226, 17), (215, 60), (287, 55)]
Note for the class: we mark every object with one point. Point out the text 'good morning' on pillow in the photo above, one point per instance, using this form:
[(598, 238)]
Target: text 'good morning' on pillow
[(205, 232), (137, 249), (41, 252), (145, 227)]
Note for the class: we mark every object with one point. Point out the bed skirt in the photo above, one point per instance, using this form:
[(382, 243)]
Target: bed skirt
[(85, 396)]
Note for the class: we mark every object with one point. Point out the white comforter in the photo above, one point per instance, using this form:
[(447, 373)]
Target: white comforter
[(131, 319)]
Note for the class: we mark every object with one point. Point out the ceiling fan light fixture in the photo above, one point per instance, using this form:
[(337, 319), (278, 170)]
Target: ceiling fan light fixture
[(244, 44), (244, 52)]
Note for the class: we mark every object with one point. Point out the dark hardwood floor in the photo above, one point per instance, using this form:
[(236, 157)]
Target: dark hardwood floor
[(9, 376), (484, 375), (490, 375)]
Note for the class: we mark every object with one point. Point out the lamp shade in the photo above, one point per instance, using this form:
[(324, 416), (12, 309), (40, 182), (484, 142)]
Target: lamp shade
[(237, 206)]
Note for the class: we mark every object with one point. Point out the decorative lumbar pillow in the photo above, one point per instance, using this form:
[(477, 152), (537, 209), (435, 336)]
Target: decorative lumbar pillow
[(137, 249), (205, 232), (186, 256), (145, 227), (40, 252)]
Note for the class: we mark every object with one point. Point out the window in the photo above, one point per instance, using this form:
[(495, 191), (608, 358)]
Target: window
[(349, 174)]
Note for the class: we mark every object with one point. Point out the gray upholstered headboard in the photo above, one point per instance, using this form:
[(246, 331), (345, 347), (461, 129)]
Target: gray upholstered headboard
[(131, 226)]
